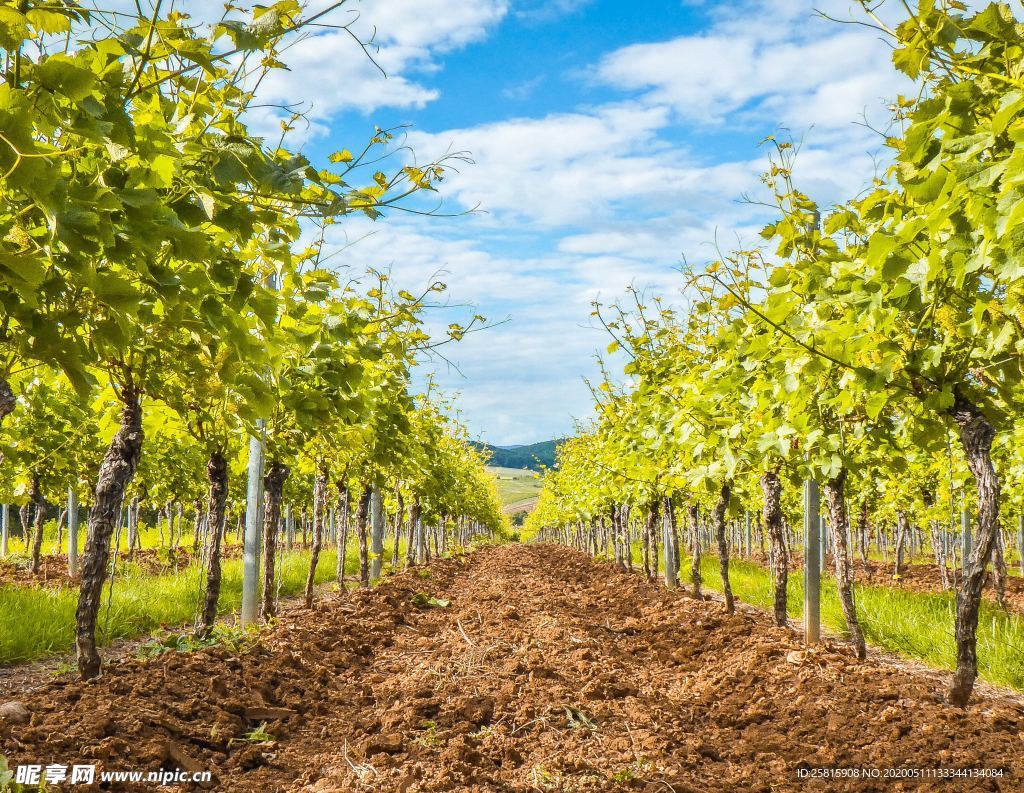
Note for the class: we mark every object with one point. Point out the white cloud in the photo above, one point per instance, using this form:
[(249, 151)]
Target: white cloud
[(574, 168), (406, 37), (776, 62), (523, 90), (610, 166)]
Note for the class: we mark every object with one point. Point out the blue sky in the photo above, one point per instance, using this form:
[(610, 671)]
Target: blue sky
[(610, 141)]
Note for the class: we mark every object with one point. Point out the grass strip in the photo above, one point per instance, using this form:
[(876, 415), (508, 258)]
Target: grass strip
[(36, 622), (917, 625)]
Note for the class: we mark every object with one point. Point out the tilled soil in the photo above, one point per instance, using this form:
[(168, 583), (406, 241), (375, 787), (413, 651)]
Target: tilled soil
[(546, 671), (53, 572), (53, 568)]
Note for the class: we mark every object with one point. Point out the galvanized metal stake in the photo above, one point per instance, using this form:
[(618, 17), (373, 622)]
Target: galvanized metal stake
[(812, 562), (421, 542), (669, 550), (72, 531), (252, 542), (253, 534), (376, 532)]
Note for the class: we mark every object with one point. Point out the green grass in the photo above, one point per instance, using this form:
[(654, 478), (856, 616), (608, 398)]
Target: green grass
[(925, 557), (149, 536), (912, 624), (516, 484), (37, 621)]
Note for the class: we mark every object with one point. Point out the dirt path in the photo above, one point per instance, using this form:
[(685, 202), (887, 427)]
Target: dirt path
[(547, 672), (524, 505)]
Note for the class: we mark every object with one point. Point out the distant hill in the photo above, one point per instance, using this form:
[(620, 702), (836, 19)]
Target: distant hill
[(532, 456)]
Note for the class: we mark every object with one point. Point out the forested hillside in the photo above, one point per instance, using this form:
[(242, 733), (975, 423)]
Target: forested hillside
[(534, 456)]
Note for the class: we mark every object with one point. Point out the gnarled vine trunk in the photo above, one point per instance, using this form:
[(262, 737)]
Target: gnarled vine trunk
[(835, 499), (901, 538), (771, 489), (39, 506), (646, 548), (976, 435), (376, 533), (362, 513), (695, 543), (179, 522), (273, 486), (342, 536), (7, 399), (25, 518), (614, 534), (718, 519), (319, 508), (60, 528), (651, 542), (197, 524), (624, 551), (116, 471), (399, 515), (415, 511), (217, 477), (425, 532)]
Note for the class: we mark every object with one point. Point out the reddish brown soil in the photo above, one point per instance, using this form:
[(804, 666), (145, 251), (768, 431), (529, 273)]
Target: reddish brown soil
[(53, 572), (53, 569), (547, 672)]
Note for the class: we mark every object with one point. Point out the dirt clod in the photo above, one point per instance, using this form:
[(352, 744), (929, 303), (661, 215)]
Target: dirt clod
[(15, 713), (478, 710), (389, 743)]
